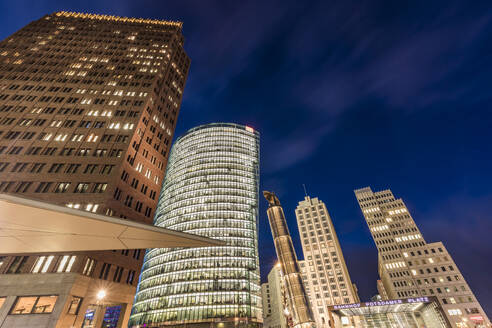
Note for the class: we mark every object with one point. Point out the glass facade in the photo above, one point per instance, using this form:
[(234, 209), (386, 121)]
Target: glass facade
[(210, 189), (401, 313)]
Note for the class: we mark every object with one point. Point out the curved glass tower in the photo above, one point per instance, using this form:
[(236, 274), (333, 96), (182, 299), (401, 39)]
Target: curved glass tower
[(210, 189)]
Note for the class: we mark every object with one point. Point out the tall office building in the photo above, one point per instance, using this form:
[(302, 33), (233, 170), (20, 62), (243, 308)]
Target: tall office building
[(210, 189), (88, 107), (304, 273), (273, 299), (323, 268), (410, 267), (381, 291)]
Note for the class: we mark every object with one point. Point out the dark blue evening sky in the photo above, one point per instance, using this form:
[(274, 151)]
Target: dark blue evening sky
[(346, 94)]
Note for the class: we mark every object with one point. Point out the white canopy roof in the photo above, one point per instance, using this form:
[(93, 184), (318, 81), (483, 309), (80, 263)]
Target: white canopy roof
[(29, 226)]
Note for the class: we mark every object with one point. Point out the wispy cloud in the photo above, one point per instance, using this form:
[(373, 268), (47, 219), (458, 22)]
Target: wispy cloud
[(294, 147), (406, 67)]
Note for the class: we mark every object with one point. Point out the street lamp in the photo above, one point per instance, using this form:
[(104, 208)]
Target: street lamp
[(101, 294)]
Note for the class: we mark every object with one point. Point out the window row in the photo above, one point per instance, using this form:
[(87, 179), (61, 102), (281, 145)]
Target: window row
[(48, 187), (67, 168)]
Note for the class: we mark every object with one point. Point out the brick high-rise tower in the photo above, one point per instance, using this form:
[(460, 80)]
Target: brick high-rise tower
[(88, 107)]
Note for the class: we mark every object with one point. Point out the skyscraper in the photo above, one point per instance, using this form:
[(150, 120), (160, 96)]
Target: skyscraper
[(324, 268), (210, 189), (88, 107), (409, 266), (273, 300), (298, 307)]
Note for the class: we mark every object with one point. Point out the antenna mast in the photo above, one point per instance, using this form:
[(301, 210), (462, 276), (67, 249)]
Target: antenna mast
[(305, 192)]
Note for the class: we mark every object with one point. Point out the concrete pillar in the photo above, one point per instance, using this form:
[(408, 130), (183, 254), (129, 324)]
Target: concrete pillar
[(126, 309), (4, 311), (59, 311), (98, 320)]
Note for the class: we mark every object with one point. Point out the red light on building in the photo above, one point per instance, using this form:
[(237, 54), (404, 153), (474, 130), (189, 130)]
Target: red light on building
[(476, 318)]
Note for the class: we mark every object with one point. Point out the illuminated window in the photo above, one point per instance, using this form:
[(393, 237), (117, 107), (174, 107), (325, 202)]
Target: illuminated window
[(61, 137), (45, 304), (454, 312), (24, 305), (62, 263), (62, 187), (91, 208), (34, 304), (72, 205), (74, 306), (37, 264), (89, 266), (47, 263), (66, 263)]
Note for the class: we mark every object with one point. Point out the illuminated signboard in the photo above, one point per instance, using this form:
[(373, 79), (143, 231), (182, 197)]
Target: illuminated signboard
[(381, 303), (476, 318), (347, 306), (250, 129), (418, 300)]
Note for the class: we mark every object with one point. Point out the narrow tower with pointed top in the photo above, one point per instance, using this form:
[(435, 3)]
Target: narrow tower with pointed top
[(298, 308)]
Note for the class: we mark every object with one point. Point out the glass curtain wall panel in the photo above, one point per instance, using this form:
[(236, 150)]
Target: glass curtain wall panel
[(210, 189)]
